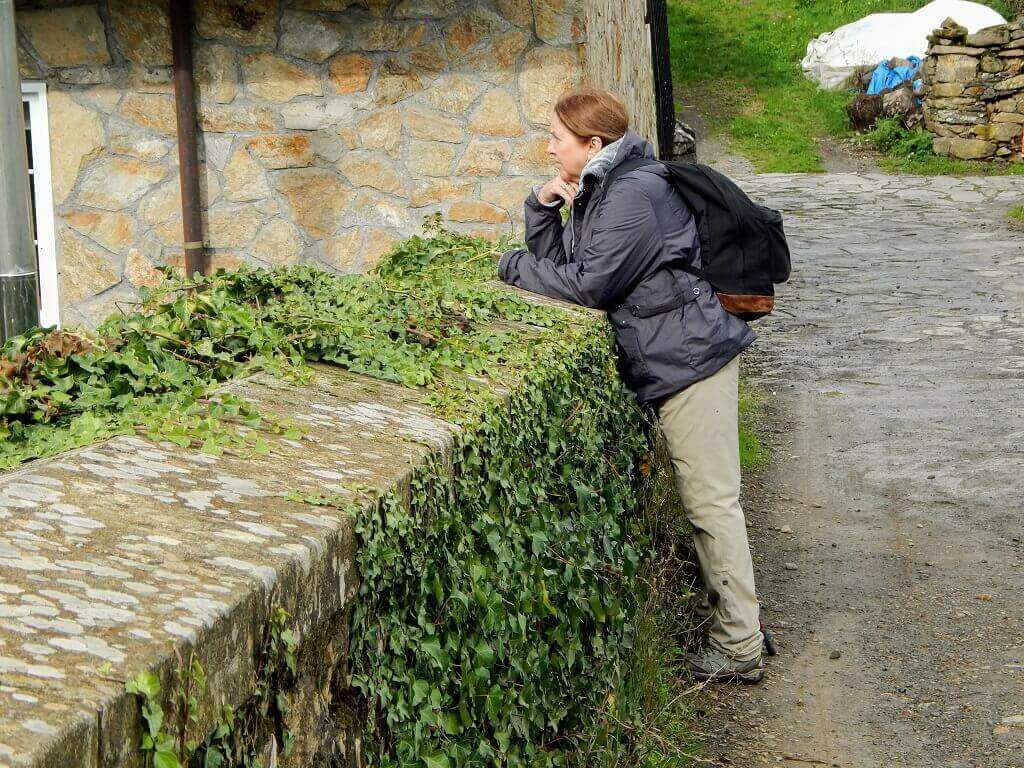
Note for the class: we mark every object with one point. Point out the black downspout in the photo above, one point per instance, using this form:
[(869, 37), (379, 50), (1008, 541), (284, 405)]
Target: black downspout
[(188, 153), (657, 19)]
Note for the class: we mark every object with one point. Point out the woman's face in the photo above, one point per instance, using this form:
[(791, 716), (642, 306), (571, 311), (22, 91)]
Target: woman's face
[(569, 151)]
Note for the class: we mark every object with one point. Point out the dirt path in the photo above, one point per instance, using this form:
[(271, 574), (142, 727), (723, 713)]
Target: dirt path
[(888, 529)]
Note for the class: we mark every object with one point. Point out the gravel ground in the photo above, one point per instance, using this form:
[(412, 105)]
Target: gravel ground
[(888, 528)]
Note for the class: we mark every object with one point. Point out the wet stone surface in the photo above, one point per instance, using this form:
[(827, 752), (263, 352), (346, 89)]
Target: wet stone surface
[(894, 373), (908, 297)]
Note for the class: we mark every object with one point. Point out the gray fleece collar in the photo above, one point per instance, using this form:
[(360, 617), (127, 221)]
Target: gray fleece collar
[(600, 163), (630, 145)]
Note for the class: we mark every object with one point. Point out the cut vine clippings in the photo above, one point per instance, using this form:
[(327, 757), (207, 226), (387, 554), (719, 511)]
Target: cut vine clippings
[(497, 605), (427, 317)]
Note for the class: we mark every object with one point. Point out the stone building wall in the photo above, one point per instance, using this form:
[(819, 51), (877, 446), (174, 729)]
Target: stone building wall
[(974, 91), (329, 128)]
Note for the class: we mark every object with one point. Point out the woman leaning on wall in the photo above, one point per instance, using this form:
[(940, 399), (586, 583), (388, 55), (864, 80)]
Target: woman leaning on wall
[(619, 251)]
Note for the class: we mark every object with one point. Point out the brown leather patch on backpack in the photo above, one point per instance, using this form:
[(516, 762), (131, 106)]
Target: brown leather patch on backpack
[(746, 306)]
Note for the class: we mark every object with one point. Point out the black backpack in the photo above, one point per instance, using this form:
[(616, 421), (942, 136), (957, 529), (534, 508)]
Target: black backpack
[(742, 245)]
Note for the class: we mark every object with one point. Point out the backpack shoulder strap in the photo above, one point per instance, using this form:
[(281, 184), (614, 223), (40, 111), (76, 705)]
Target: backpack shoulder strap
[(640, 162), (625, 167)]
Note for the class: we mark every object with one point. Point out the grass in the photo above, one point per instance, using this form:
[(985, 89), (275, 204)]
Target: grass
[(753, 454), (1017, 214), (939, 165), (738, 62), (654, 721)]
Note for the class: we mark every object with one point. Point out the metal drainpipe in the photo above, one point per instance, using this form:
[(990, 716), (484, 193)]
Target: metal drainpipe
[(19, 294), (661, 64), (188, 155)]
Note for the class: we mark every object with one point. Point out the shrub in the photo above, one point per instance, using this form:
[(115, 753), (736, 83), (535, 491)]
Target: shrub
[(892, 138)]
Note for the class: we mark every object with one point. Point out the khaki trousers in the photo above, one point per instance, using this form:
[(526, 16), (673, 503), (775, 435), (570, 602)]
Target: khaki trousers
[(701, 428)]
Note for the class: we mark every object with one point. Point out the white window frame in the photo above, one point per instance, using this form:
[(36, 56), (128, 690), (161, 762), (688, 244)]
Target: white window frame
[(46, 246)]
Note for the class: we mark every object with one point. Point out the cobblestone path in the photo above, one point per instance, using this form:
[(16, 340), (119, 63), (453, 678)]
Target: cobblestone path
[(895, 378)]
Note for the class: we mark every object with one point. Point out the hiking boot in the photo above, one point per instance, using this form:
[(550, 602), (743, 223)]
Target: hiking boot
[(719, 668)]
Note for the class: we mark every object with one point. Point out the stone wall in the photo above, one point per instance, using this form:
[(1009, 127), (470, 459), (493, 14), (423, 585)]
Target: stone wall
[(131, 554), (329, 127), (974, 91), (150, 549)]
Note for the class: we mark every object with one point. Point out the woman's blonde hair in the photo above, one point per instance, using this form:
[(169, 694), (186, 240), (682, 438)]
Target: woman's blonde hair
[(593, 112)]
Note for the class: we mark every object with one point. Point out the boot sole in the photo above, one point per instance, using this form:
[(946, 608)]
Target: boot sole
[(752, 677)]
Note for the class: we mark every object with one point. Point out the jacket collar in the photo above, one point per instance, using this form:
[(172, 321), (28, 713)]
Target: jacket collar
[(599, 164), (630, 145)]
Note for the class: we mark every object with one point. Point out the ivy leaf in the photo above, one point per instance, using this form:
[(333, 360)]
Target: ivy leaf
[(420, 690), (289, 743), (145, 683), (154, 716), (450, 723), (436, 760), (484, 653), (165, 760), (432, 647)]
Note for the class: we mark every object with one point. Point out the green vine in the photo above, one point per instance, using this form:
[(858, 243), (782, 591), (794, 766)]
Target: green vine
[(171, 748), (497, 609), (427, 317), (239, 734), (169, 740)]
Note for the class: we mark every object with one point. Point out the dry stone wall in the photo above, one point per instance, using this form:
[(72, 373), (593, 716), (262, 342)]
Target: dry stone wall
[(974, 91), (329, 128)]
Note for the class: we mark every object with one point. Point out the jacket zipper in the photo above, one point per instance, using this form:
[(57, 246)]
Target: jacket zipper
[(572, 229), (572, 224)]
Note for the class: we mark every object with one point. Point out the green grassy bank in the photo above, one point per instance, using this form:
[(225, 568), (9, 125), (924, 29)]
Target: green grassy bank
[(738, 62)]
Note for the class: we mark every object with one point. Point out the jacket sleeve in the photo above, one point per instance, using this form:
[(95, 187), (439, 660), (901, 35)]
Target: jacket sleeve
[(625, 242), (544, 228)]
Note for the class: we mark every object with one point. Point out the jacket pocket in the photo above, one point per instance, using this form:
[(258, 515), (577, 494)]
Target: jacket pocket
[(704, 327), (650, 310), (629, 343)]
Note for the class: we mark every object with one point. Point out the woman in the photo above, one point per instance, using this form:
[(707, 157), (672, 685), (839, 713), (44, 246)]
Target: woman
[(619, 251)]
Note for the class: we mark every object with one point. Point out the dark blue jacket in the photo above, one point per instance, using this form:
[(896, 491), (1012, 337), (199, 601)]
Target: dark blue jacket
[(617, 253)]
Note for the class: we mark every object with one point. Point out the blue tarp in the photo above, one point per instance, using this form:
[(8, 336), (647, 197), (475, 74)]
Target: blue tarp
[(885, 76)]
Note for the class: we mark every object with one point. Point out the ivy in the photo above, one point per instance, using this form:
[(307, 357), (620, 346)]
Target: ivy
[(497, 607), (168, 741), (165, 741), (241, 732), (428, 317)]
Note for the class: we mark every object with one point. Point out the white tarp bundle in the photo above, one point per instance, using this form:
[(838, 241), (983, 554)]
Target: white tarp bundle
[(835, 59)]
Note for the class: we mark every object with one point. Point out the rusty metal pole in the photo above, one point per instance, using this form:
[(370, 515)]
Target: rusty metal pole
[(188, 153)]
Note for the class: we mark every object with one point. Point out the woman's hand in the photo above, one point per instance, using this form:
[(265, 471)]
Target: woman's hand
[(558, 188)]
